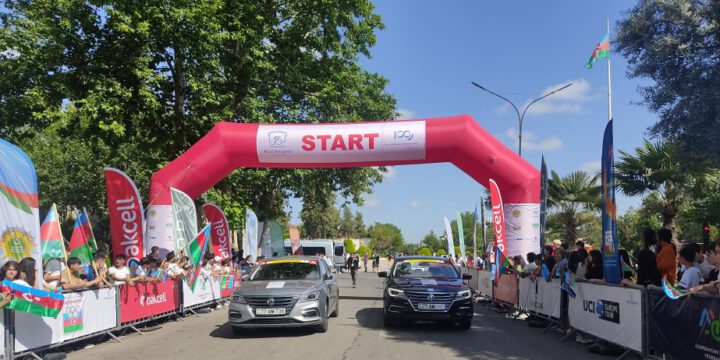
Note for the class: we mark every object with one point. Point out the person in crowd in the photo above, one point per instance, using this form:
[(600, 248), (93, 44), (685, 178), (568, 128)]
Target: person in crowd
[(579, 245), (560, 262), (51, 273), (594, 266), (712, 285), (519, 263), (353, 264), (365, 261), (667, 256), (647, 270), (701, 261), (143, 271), (10, 271), (531, 265), (692, 276), (97, 270), (28, 271), (576, 261), (154, 252), (649, 240), (548, 258), (71, 279), (119, 273), (376, 262), (217, 268)]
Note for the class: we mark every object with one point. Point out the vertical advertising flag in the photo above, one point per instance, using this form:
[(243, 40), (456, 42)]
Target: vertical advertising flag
[(498, 224), (451, 242), (482, 220), (19, 213), (251, 225), (611, 255), (184, 219), (475, 219), (277, 243), (126, 215), (543, 202), (51, 239), (461, 234), (79, 247), (220, 233), (294, 239)]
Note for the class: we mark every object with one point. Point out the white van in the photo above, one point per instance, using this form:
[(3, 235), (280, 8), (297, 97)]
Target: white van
[(313, 247), (340, 255)]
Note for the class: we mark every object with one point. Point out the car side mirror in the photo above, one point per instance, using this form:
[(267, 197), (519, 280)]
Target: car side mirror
[(382, 274), (466, 277)]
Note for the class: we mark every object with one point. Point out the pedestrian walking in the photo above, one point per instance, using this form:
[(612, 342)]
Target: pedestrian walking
[(353, 264), (365, 260)]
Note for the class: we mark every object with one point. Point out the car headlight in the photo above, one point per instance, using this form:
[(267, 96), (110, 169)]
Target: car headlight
[(396, 293), (463, 295), (311, 296), (238, 299)]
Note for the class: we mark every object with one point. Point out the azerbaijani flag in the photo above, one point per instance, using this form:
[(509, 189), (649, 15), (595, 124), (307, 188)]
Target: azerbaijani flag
[(671, 291), (568, 283), (78, 243), (33, 301), (196, 249), (602, 51), (88, 231), (227, 282), (51, 239)]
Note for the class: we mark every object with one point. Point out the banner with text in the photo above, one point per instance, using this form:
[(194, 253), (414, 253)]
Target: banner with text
[(342, 143), (126, 215), (148, 299), (220, 231), (609, 312)]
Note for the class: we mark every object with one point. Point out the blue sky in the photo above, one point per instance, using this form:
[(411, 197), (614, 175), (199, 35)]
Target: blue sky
[(431, 50)]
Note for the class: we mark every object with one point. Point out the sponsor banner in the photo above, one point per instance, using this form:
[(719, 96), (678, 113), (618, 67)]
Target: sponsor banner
[(203, 291), (88, 312), (484, 282), (687, 328), (506, 289), (540, 296), (251, 228), (184, 220), (126, 215), (220, 231), (277, 242), (159, 230), (610, 253), (609, 312), (148, 299), (522, 228), (450, 241), (342, 143)]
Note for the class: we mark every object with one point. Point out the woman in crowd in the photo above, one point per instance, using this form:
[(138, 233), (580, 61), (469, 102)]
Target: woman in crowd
[(647, 270), (9, 272), (667, 256), (576, 262), (560, 262), (27, 272), (594, 266)]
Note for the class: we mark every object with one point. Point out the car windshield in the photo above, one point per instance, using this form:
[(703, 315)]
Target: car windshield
[(425, 269), (286, 270)]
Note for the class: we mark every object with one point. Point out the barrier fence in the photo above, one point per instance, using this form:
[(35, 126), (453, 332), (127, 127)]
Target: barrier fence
[(90, 313), (641, 320)]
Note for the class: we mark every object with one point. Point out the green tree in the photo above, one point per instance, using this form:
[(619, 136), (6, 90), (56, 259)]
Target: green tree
[(570, 200), (319, 215), (349, 246), (661, 167), (432, 241), (441, 252), (425, 252), (360, 230), (362, 250), (347, 222), (675, 44), (385, 237)]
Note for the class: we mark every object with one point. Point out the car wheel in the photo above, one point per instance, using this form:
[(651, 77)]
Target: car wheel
[(337, 306), (466, 324), (237, 330), (323, 327)]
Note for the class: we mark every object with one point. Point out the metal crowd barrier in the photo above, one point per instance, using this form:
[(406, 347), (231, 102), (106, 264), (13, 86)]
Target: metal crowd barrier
[(29, 335)]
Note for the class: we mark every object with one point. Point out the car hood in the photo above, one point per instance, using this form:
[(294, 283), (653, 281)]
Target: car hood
[(437, 284), (277, 287)]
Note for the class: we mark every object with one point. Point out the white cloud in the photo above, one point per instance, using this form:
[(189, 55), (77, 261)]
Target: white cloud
[(591, 167), (531, 143), (415, 204), (404, 114), (371, 201), (567, 101)]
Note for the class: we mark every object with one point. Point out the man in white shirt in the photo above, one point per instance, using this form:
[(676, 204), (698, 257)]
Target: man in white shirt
[(701, 262), (692, 276), (119, 272)]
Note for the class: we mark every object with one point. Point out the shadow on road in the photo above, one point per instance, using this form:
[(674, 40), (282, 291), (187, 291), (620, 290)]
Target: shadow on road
[(225, 331), (353, 297)]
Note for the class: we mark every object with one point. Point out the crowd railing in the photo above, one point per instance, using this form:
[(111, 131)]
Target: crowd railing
[(106, 311)]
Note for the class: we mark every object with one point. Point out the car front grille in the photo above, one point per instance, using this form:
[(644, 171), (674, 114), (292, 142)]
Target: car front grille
[(416, 297)]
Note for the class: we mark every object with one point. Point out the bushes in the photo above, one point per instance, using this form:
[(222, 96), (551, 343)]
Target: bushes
[(425, 252)]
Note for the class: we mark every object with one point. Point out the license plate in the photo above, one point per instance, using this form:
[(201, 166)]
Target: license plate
[(427, 306), (270, 311)]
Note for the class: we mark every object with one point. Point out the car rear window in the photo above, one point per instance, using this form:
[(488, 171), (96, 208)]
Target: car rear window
[(425, 269)]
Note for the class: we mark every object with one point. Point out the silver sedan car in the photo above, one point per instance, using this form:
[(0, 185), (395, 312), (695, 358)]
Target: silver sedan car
[(288, 291)]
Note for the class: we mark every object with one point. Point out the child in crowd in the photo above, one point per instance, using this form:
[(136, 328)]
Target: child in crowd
[(692, 276), (119, 273)]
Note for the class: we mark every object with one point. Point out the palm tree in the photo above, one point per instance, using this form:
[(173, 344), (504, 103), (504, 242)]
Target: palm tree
[(570, 198), (661, 167)]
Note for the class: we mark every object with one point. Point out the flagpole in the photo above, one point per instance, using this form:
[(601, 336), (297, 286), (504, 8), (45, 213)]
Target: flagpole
[(475, 237), (609, 81)]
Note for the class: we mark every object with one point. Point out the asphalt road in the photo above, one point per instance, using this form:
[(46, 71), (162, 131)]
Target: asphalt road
[(357, 333)]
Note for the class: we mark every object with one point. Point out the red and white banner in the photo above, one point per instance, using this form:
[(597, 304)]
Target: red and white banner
[(219, 231), (126, 215), (498, 224), (148, 299), (341, 143)]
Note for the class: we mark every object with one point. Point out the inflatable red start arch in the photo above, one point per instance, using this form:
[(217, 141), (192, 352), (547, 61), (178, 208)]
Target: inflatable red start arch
[(456, 139)]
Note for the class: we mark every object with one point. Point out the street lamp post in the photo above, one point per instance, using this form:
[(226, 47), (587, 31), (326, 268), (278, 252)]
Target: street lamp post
[(519, 115)]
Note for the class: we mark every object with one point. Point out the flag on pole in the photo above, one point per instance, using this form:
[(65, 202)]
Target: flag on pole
[(461, 234), (51, 239), (78, 243), (196, 249), (498, 221), (671, 291), (602, 51), (33, 301), (88, 231), (227, 282), (450, 241), (568, 283)]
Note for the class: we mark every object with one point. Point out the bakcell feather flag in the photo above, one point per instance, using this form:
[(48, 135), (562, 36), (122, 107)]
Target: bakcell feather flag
[(126, 216), (498, 223), (220, 234), (51, 239)]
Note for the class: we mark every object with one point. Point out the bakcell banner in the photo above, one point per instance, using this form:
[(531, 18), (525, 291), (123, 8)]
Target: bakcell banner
[(687, 328), (450, 241), (498, 224), (126, 215), (341, 143), (506, 289), (184, 220), (220, 231), (277, 243), (19, 213), (611, 255), (294, 238), (612, 313), (148, 299), (251, 225), (540, 296)]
